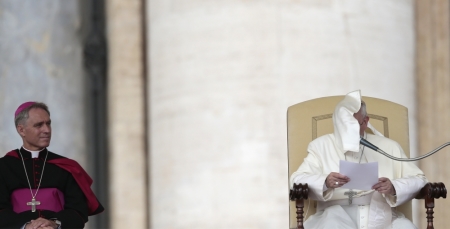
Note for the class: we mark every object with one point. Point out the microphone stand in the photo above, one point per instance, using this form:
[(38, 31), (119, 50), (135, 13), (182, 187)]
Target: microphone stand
[(373, 147)]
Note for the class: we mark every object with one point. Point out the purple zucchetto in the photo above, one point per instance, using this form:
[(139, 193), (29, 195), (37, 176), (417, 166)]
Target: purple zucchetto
[(22, 107)]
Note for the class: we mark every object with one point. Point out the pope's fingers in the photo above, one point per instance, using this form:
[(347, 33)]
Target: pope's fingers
[(335, 175), (334, 180), (383, 179), (377, 186), (383, 188), (339, 176)]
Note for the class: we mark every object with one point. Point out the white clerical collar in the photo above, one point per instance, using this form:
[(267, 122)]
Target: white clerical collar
[(34, 154)]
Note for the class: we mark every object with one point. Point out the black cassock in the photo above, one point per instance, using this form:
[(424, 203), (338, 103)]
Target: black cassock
[(12, 177)]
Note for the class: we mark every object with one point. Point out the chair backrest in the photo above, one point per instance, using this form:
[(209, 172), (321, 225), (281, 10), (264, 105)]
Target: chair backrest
[(311, 119)]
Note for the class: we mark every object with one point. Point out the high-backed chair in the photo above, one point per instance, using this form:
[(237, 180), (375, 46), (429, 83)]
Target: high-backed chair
[(311, 119)]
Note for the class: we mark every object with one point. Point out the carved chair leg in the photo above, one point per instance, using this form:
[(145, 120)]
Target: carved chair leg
[(299, 204), (429, 205)]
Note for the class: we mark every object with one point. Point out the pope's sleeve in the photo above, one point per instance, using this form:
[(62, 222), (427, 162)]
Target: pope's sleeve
[(311, 172), (409, 182), (75, 213)]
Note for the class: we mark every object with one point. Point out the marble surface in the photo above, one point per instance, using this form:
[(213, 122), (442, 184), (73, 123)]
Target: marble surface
[(41, 60), (222, 75)]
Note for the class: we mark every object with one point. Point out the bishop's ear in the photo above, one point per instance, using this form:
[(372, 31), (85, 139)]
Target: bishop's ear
[(21, 130)]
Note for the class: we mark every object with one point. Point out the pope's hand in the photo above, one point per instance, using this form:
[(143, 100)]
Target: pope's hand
[(385, 186), (336, 180)]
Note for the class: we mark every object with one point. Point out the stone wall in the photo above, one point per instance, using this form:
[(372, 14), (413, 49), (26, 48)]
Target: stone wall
[(222, 74), (41, 60)]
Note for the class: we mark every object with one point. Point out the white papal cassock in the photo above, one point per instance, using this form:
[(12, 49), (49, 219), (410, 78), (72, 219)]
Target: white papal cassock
[(370, 209)]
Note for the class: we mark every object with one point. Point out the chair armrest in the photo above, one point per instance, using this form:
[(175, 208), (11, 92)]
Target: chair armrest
[(299, 193), (430, 192)]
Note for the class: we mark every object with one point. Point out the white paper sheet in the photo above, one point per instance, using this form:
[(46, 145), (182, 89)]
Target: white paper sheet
[(362, 176)]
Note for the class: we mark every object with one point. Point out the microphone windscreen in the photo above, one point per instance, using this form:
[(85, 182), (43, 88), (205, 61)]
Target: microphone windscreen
[(364, 142)]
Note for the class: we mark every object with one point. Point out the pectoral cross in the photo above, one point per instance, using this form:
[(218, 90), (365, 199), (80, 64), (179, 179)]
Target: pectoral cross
[(350, 195), (33, 204)]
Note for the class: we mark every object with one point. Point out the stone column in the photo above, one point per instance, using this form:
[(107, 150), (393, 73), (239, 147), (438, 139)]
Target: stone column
[(127, 126), (433, 95)]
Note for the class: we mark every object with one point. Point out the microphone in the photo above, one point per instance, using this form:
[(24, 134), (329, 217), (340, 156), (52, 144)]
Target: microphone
[(366, 143)]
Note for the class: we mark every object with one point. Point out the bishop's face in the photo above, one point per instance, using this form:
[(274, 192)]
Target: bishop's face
[(37, 131)]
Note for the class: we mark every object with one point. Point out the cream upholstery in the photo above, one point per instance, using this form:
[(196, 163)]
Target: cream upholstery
[(311, 119)]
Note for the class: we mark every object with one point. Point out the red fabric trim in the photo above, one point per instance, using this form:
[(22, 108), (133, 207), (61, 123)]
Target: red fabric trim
[(81, 177), (12, 153)]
